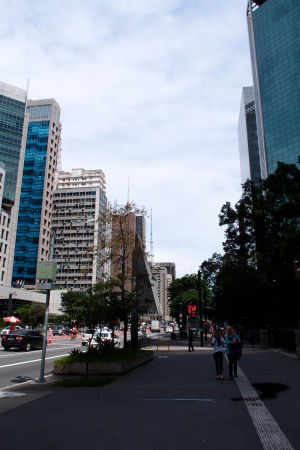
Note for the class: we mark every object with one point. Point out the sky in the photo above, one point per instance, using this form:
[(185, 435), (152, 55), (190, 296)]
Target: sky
[(149, 91)]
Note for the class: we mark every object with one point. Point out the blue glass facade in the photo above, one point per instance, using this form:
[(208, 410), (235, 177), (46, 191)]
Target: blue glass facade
[(248, 141), (30, 211), (11, 127), (274, 31)]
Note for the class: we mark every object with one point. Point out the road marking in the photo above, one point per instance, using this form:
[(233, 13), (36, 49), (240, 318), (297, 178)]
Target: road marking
[(179, 399), (11, 394), (269, 432), (32, 361)]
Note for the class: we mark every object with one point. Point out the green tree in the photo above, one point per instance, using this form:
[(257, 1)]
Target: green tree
[(118, 247), (183, 291), (31, 315), (253, 282), (93, 308)]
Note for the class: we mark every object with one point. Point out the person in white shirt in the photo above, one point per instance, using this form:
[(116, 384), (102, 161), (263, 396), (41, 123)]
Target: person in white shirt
[(218, 343)]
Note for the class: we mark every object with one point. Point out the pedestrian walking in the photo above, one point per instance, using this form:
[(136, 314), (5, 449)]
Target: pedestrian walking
[(218, 342), (191, 337), (233, 350), (252, 337)]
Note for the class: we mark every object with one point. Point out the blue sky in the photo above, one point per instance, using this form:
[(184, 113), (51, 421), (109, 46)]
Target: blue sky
[(149, 89)]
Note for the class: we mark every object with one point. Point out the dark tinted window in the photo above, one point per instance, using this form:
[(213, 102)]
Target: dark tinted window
[(20, 332)]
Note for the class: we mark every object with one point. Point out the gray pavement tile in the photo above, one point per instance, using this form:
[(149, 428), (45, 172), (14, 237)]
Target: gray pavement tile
[(170, 403)]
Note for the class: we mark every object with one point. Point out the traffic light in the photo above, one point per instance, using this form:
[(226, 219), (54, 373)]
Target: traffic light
[(192, 311)]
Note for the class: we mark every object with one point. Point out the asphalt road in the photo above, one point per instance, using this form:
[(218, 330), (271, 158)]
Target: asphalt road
[(17, 366)]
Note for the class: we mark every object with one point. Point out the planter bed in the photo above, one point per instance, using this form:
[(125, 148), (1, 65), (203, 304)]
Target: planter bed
[(102, 365)]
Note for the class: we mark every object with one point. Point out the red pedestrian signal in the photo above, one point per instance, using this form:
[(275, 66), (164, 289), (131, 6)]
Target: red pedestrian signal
[(192, 311)]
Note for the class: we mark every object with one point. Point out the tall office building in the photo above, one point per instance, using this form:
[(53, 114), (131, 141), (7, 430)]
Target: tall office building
[(170, 266), (79, 200), (247, 134), (274, 36), (13, 130), (4, 229), (161, 283), (140, 225), (36, 200)]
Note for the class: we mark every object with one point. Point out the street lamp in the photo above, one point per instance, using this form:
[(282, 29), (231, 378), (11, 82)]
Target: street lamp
[(297, 276), (205, 310), (200, 307)]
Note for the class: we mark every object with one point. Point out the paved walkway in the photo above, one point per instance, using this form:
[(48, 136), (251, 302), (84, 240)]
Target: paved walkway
[(171, 403)]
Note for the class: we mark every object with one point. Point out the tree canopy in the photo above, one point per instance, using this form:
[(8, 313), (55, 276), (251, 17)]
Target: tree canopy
[(253, 283)]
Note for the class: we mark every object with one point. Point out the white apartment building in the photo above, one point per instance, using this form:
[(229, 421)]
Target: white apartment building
[(160, 278), (4, 230), (79, 199)]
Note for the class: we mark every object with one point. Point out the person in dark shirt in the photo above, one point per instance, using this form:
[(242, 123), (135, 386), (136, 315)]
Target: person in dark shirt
[(191, 337)]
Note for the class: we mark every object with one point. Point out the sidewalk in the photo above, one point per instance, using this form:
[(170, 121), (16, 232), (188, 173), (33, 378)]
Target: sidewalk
[(171, 403)]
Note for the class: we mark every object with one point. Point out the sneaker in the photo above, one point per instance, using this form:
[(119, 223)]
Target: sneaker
[(218, 377), (221, 377)]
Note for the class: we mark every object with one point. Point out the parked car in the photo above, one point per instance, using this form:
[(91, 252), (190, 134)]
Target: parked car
[(87, 336), (6, 329), (22, 339), (105, 336), (60, 331)]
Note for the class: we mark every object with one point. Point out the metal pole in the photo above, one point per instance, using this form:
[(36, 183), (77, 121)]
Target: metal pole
[(42, 370), (200, 308), (205, 311), (42, 378), (9, 304)]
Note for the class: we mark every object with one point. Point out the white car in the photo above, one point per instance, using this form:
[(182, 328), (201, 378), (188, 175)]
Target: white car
[(5, 330), (106, 336)]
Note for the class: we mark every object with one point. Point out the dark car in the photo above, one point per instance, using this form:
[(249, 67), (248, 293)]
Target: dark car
[(23, 339)]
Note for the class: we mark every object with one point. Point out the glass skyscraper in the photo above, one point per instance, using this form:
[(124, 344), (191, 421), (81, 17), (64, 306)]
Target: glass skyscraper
[(13, 129), (274, 35), (40, 162), (12, 113), (248, 141)]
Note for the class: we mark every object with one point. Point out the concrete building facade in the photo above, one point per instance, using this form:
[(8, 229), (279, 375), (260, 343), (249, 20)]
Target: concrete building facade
[(161, 283), (79, 199), (170, 266), (4, 230)]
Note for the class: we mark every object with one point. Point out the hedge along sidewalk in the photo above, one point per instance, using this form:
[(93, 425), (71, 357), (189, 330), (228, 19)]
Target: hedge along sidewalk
[(116, 362)]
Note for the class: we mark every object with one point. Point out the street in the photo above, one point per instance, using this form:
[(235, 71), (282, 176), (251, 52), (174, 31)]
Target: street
[(18, 366)]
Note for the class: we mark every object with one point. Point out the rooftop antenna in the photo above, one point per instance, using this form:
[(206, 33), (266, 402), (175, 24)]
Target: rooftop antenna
[(28, 80), (128, 190), (151, 242)]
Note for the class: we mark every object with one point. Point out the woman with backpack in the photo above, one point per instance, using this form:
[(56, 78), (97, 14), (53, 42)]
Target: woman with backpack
[(218, 343), (233, 350)]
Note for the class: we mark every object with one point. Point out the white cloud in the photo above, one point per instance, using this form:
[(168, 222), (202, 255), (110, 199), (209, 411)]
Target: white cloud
[(148, 89), (142, 7)]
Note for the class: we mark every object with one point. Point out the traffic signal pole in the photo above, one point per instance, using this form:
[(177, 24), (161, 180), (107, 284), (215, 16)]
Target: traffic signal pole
[(200, 308)]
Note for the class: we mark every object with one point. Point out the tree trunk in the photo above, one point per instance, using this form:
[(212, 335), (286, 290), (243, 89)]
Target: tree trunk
[(125, 332), (134, 329)]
